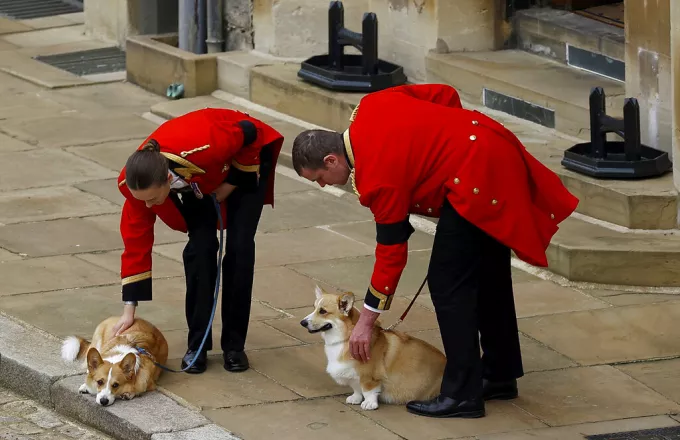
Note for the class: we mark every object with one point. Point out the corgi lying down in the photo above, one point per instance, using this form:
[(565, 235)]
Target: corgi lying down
[(115, 368), (402, 368)]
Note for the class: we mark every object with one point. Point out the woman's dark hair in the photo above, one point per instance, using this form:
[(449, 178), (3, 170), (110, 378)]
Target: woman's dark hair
[(146, 167)]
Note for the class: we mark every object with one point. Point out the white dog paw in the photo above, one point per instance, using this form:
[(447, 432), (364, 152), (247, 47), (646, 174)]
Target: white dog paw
[(83, 389), (355, 399), (369, 405)]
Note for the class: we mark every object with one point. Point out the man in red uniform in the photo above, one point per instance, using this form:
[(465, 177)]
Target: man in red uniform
[(414, 149), (172, 175)]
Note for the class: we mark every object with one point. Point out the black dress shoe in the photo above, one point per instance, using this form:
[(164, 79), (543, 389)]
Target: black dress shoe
[(235, 361), (504, 390), (447, 407), (199, 366)]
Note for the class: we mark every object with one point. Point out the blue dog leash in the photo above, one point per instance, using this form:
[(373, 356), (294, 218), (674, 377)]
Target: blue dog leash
[(217, 290)]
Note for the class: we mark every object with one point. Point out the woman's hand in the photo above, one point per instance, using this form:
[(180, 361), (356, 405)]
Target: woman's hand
[(223, 191), (125, 321)]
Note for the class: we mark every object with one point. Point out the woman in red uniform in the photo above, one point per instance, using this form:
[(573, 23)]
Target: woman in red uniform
[(414, 149), (172, 176)]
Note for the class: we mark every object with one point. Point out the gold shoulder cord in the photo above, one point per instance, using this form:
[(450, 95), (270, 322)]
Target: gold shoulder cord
[(352, 173)]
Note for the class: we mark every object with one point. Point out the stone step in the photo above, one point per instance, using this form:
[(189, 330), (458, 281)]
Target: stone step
[(583, 251), (651, 205), (580, 251), (573, 40), (526, 86)]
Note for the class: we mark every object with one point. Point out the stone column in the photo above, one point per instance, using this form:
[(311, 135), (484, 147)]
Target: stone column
[(648, 67), (675, 85)]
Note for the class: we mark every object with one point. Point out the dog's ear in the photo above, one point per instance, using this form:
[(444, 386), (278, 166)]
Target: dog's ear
[(318, 291), (128, 365), (346, 302), (94, 359)]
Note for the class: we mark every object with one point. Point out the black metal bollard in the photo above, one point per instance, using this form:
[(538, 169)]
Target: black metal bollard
[(351, 73), (609, 159)]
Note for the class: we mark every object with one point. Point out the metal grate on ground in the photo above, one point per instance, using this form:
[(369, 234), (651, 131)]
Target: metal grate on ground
[(87, 62), (27, 9), (672, 433)]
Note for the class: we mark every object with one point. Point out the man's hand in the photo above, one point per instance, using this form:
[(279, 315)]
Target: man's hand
[(125, 321), (360, 340), (223, 191)]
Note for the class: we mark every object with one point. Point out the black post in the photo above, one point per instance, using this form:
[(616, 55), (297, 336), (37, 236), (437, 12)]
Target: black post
[(598, 137), (369, 43), (631, 127), (336, 22)]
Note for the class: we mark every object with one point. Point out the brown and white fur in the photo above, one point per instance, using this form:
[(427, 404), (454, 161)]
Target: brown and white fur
[(115, 369), (401, 368)]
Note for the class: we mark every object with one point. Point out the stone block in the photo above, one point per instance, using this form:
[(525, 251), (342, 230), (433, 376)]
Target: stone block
[(582, 251), (295, 29), (136, 419), (154, 62), (278, 87), (118, 19), (207, 432), (233, 71), (30, 360)]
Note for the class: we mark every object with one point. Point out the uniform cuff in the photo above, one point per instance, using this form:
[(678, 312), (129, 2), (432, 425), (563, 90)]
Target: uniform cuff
[(372, 309), (377, 300), (136, 289)]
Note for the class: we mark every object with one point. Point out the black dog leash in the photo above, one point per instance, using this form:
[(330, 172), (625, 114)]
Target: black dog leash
[(403, 315)]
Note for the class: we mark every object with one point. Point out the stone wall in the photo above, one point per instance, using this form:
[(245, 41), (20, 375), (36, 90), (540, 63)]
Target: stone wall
[(648, 68), (408, 29), (115, 20)]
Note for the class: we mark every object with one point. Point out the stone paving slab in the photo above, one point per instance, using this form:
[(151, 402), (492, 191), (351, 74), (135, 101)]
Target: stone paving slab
[(52, 203), (28, 169), (216, 389), (78, 129), (299, 420), (111, 155), (590, 394), (610, 335), (107, 189), (20, 276), (660, 376), (9, 144)]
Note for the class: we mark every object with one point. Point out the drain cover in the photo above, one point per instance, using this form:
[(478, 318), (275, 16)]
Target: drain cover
[(26, 9), (672, 433), (88, 62)]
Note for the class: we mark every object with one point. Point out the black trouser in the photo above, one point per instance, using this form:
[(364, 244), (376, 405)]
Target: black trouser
[(470, 284), (200, 261)]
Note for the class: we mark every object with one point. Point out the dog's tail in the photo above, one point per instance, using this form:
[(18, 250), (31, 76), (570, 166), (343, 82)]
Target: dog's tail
[(74, 348)]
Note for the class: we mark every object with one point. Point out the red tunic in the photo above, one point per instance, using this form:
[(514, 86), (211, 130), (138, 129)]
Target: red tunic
[(205, 147), (413, 146)]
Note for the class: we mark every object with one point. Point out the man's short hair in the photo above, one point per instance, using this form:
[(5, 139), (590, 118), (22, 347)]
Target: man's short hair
[(311, 146)]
